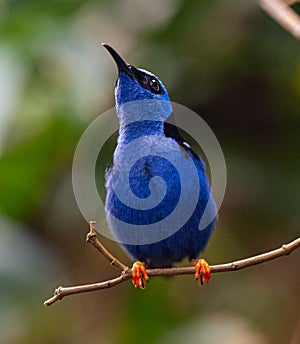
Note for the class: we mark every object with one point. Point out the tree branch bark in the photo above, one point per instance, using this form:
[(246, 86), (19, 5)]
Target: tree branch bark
[(61, 292), (282, 12), (92, 239)]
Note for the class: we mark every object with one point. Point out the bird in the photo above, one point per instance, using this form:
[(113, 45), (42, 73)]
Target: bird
[(149, 149)]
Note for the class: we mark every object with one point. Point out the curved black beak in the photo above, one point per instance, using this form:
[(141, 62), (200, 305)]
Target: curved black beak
[(122, 65)]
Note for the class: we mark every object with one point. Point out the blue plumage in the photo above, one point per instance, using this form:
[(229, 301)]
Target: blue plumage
[(152, 176)]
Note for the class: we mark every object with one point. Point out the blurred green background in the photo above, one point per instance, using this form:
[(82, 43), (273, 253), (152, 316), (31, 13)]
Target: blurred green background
[(226, 60)]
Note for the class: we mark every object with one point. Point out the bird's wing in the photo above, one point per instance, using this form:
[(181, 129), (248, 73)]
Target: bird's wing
[(171, 131)]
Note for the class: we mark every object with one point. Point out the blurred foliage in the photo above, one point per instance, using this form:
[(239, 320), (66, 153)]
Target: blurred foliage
[(226, 60)]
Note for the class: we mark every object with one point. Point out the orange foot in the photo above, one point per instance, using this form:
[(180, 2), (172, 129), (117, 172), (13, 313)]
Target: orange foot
[(202, 270), (139, 275)]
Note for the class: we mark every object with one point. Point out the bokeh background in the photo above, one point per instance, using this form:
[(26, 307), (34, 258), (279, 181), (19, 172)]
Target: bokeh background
[(226, 60)]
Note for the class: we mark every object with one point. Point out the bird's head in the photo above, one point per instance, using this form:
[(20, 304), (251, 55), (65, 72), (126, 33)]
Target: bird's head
[(139, 94)]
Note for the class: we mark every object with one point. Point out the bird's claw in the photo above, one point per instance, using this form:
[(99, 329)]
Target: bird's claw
[(139, 275), (202, 270)]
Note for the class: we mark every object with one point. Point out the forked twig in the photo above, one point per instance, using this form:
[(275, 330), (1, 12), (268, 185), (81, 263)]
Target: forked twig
[(92, 238)]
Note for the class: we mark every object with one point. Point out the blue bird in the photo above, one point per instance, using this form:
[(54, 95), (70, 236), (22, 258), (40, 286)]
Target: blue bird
[(154, 171)]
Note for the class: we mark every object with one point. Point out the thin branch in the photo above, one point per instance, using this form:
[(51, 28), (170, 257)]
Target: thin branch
[(285, 16), (92, 239), (61, 292)]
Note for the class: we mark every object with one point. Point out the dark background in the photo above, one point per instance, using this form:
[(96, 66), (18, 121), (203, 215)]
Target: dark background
[(226, 60)]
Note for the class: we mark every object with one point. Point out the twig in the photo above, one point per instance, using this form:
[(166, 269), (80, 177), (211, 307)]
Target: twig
[(61, 292), (92, 239), (285, 16)]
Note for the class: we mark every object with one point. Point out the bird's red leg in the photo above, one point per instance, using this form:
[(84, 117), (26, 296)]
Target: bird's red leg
[(139, 275), (202, 270)]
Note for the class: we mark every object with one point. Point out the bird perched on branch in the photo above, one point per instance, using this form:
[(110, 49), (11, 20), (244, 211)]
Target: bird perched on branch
[(157, 189)]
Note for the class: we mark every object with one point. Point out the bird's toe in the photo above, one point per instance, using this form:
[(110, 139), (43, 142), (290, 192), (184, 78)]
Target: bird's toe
[(139, 275), (202, 270)]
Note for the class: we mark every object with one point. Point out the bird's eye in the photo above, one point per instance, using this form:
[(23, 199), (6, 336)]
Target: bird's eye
[(154, 84), (149, 82)]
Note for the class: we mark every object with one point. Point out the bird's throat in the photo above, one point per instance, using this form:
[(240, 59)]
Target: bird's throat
[(137, 129)]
